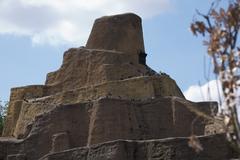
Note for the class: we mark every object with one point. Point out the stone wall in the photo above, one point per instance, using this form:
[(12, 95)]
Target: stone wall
[(22, 113), (107, 119), (102, 93), (215, 148), (119, 33)]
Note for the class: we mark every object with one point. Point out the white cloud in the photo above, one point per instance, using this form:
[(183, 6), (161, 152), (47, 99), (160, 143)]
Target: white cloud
[(207, 92), (67, 21)]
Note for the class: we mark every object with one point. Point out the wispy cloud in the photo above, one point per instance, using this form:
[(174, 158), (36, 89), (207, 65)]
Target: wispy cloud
[(209, 91), (67, 21)]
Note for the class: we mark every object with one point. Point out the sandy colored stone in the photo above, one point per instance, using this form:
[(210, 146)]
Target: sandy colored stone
[(119, 33), (215, 148), (102, 93), (111, 119), (60, 142), (16, 99), (148, 87), (84, 67)]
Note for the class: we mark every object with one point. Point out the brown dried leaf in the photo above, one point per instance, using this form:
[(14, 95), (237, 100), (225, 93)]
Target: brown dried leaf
[(201, 27), (193, 29), (222, 12), (195, 143)]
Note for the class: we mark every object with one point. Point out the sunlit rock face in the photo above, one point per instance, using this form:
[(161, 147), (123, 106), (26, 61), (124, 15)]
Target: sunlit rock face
[(120, 33), (102, 93)]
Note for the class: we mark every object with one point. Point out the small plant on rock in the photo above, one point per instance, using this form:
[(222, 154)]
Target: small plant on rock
[(3, 112)]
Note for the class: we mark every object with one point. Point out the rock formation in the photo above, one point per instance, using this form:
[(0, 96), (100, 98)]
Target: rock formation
[(105, 103)]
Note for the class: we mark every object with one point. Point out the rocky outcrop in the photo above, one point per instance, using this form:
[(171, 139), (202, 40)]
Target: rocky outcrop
[(120, 33), (84, 124), (215, 148), (102, 93), (86, 75)]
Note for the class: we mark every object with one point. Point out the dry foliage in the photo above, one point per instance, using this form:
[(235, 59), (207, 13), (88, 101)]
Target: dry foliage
[(195, 144), (3, 112), (220, 28)]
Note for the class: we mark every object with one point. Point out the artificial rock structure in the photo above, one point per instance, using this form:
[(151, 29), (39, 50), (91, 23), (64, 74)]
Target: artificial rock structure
[(105, 103)]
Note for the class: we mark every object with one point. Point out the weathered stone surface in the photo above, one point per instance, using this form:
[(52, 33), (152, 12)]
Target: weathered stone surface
[(10, 146), (151, 87), (120, 33), (87, 75), (102, 93), (157, 118), (216, 127), (16, 157), (215, 148), (89, 67), (111, 119), (60, 142), (15, 105)]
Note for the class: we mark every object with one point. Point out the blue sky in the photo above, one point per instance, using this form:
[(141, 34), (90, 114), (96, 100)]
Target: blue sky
[(34, 34)]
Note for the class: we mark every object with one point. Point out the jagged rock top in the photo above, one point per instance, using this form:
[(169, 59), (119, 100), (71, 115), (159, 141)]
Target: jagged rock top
[(119, 32)]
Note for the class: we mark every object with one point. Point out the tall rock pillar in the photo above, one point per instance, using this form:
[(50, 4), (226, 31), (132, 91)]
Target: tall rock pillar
[(120, 33)]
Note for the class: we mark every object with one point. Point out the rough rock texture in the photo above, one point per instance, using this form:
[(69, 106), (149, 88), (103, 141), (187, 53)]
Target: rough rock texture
[(16, 157), (60, 142), (119, 33), (106, 119), (84, 79), (102, 93), (215, 148), (10, 147)]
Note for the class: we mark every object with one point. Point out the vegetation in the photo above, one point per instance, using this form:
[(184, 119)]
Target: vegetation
[(3, 111), (220, 29)]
